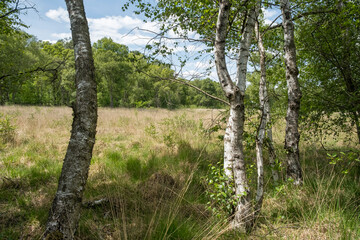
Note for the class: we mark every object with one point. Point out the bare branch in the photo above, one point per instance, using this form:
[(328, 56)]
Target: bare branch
[(300, 15), (38, 69), (17, 9), (187, 83)]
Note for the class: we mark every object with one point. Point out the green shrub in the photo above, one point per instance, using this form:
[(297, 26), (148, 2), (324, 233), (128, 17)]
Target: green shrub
[(7, 130), (223, 199)]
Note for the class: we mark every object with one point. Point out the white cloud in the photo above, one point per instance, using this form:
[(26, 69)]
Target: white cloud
[(59, 15), (128, 30), (61, 35), (122, 29), (126, 39), (192, 74), (201, 65), (50, 41), (113, 23), (270, 15)]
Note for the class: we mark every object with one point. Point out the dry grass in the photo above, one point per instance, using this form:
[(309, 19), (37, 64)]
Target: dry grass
[(135, 149), (33, 162)]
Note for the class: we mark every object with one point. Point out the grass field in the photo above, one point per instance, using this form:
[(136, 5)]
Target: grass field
[(147, 179)]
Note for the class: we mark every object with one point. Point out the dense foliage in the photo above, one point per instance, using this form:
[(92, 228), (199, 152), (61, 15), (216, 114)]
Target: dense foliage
[(41, 73)]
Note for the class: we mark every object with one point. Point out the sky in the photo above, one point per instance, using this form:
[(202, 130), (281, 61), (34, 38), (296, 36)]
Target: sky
[(50, 22), (106, 19)]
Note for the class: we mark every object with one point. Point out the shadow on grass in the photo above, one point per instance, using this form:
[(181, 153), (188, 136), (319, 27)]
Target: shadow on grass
[(153, 197)]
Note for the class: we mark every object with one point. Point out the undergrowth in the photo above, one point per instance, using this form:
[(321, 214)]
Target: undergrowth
[(150, 174)]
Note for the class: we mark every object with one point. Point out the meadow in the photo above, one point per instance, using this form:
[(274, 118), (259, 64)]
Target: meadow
[(148, 178)]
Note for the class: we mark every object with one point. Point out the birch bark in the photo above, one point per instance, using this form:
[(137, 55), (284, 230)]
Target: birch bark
[(262, 126), (292, 135), (243, 213), (234, 163), (65, 211), (265, 110)]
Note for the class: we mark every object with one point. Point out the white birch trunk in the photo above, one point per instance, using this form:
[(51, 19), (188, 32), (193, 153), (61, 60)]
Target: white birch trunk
[(265, 109), (245, 51), (65, 211), (262, 125), (292, 135), (234, 163), (243, 212)]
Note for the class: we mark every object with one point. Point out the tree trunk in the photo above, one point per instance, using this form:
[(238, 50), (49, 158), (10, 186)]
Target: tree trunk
[(272, 153), (234, 163), (65, 211), (262, 125), (357, 124), (265, 108), (243, 212), (110, 93), (292, 135)]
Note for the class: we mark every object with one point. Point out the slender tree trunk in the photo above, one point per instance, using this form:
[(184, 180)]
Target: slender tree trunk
[(357, 124), (265, 108), (110, 94), (262, 126), (65, 211), (243, 211), (272, 153), (234, 163), (292, 135), (13, 96)]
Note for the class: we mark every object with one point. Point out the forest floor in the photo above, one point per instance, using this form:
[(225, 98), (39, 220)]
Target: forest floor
[(149, 172)]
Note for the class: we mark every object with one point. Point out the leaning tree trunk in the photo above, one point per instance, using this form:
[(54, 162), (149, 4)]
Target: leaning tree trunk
[(65, 211), (234, 163), (292, 135)]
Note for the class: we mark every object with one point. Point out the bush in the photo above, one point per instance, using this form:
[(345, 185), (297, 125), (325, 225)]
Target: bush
[(220, 191), (7, 130)]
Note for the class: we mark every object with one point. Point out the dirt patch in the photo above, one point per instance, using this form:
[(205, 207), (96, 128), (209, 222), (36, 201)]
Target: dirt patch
[(159, 186)]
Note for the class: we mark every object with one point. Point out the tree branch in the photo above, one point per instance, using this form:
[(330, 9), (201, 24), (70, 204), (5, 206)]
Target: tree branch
[(186, 83), (17, 9), (38, 69), (300, 15)]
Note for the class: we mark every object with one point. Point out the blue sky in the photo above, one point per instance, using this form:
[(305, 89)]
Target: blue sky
[(106, 19)]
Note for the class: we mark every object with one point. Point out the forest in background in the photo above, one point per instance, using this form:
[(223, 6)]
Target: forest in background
[(33, 72)]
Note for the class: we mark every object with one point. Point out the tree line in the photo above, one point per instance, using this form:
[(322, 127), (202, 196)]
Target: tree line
[(34, 72)]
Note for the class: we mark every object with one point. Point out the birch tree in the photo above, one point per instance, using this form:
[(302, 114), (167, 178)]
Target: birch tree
[(264, 129), (65, 211), (263, 99), (292, 135), (198, 16), (234, 161)]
